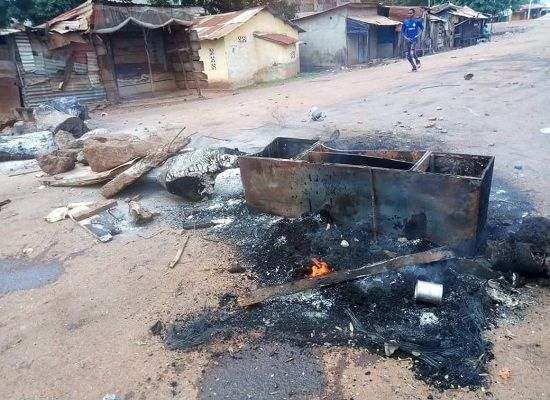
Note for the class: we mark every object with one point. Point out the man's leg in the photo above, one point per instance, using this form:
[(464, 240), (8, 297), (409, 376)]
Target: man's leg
[(416, 59), (410, 55)]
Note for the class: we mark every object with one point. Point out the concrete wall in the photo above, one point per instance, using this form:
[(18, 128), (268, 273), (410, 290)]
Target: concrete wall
[(326, 40), (242, 59), (258, 60), (328, 44), (213, 54)]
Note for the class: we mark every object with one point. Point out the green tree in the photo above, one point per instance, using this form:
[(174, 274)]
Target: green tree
[(491, 7), (285, 8), (4, 17), (38, 11)]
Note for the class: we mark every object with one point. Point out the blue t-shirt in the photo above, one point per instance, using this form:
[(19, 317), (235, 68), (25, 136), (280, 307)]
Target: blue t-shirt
[(411, 28)]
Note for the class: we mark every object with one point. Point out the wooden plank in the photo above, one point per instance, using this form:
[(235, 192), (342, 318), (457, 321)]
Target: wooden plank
[(81, 215), (248, 299), (84, 176)]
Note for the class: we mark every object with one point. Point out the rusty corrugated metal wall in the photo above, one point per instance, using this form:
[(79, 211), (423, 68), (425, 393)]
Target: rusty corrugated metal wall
[(42, 71)]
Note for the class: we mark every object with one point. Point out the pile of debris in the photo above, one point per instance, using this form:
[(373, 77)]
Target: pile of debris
[(366, 299)]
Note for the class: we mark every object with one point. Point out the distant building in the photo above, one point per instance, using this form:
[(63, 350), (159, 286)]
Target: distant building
[(249, 46), (346, 35)]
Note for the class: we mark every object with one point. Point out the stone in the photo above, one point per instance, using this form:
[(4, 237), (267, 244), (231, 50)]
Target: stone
[(19, 128), (103, 153), (94, 132), (54, 121), (52, 164), (139, 215), (518, 166), (65, 140)]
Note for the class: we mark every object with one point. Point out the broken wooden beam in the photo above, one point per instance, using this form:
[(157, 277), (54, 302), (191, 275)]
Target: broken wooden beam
[(91, 211), (143, 166), (426, 257)]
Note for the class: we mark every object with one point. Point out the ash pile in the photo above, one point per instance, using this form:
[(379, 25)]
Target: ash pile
[(445, 342)]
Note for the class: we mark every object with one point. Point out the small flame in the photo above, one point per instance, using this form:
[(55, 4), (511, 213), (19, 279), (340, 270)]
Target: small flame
[(319, 268)]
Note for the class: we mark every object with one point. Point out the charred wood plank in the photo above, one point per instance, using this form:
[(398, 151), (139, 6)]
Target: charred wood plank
[(248, 299)]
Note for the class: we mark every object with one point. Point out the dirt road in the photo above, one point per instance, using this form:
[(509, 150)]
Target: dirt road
[(86, 334)]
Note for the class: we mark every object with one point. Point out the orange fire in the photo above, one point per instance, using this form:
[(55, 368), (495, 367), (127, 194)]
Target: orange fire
[(319, 268)]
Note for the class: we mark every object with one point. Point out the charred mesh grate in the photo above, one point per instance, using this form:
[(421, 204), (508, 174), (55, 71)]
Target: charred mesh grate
[(445, 342)]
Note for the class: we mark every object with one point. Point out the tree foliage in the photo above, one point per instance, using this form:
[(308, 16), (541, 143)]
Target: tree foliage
[(36, 11), (491, 7), (285, 8)]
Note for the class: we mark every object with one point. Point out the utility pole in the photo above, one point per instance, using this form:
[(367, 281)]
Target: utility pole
[(529, 11)]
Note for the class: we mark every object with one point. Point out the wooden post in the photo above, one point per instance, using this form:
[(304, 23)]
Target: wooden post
[(68, 70), (188, 43), (179, 50), (149, 62)]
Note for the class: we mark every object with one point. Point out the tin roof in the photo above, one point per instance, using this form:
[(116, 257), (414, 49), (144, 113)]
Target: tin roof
[(465, 11), (108, 17), (350, 6), (376, 20), (532, 6), (212, 27), (276, 37), (400, 13)]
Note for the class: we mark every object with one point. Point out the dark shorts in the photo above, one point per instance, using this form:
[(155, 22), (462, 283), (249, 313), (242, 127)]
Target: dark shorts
[(410, 46)]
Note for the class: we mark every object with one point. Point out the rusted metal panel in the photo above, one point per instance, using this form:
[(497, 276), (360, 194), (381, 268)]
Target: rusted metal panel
[(445, 202)]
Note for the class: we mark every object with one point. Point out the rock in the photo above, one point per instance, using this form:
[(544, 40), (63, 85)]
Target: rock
[(19, 128), (344, 243), (138, 214), (98, 131), (80, 158), (432, 119), (468, 76), (228, 184), (103, 153), (191, 175), (546, 131), (439, 108), (65, 140), (236, 269), (53, 164), (518, 166), (70, 153), (52, 120)]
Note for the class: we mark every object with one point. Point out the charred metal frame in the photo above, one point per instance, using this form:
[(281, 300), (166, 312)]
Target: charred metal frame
[(442, 197)]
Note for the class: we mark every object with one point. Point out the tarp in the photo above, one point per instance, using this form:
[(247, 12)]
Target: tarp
[(107, 17)]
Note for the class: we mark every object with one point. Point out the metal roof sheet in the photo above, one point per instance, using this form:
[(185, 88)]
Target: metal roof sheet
[(214, 27), (375, 20), (276, 37)]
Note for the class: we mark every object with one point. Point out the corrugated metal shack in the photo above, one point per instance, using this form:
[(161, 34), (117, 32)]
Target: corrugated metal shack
[(461, 25), (9, 83), (432, 38), (107, 51)]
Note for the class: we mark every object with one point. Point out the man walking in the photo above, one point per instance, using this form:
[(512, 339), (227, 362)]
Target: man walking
[(411, 30)]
